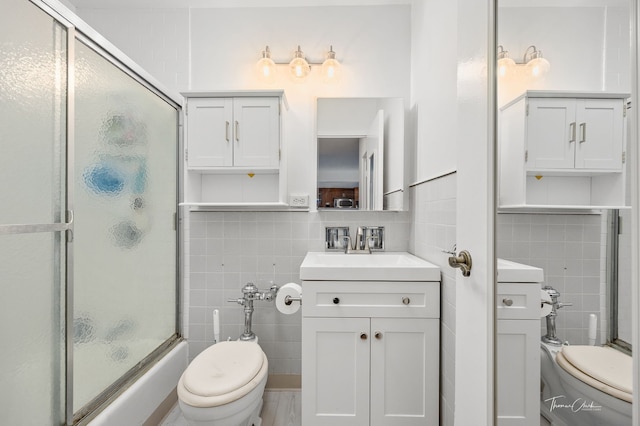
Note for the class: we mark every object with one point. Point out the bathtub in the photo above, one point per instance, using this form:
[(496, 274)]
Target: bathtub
[(142, 398)]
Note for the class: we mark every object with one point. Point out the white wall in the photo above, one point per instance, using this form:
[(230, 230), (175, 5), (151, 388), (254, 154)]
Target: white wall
[(434, 111), (217, 48), (587, 47), (433, 87)]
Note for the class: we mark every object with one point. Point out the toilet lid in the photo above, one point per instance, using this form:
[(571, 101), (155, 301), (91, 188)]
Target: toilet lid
[(604, 364), (223, 368)]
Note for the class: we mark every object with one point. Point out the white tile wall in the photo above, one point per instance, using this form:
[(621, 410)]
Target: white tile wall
[(228, 249), (433, 207), (572, 251)]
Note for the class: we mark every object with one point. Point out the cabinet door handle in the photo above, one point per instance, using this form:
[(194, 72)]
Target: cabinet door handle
[(406, 300), (226, 130), (583, 132), (237, 131), (572, 130), (363, 336), (507, 302), (378, 335), (336, 300)]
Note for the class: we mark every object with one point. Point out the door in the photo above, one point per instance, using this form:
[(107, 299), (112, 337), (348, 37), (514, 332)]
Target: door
[(600, 134), (551, 133), (335, 371), (404, 371), (475, 212), (256, 132), (33, 220), (209, 122)]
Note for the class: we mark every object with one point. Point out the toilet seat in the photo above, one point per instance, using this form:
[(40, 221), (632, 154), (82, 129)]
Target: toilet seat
[(601, 367), (222, 373)]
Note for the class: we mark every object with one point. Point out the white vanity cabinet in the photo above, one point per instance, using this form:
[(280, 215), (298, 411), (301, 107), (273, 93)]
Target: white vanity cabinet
[(518, 344), (563, 149), (370, 353), (232, 148)]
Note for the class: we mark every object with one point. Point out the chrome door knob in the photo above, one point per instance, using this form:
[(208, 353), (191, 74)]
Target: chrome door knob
[(507, 302), (406, 300)]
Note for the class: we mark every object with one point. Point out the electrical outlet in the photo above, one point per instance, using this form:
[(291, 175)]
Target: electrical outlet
[(300, 200)]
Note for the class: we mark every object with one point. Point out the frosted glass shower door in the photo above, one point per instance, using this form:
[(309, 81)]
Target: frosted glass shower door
[(124, 208), (33, 70)]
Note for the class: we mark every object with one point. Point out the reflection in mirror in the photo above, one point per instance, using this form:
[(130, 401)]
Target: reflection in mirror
[(583, 252), (360, 153)]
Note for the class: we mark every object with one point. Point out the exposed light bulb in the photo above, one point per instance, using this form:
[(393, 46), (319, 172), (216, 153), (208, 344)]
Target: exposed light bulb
[(331, 68), (299, 66), (538, 67), (505, 65), (266, 67)]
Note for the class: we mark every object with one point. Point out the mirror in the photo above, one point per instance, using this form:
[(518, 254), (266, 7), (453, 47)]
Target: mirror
[(580, 250), (360, 154)]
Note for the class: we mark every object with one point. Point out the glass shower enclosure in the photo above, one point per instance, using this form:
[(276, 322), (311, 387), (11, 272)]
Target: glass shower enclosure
[(88, 235)]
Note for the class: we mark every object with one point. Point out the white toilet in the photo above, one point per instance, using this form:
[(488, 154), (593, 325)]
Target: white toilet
[(223, 385), (585, 385)]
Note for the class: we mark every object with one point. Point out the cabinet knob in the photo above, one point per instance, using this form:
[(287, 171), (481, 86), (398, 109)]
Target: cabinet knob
[(336, 300), (406, 300), (507, 302), (363, 336), (378, 335)]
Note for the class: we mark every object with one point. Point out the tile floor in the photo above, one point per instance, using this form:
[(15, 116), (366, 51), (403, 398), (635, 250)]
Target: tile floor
[(281, 408)]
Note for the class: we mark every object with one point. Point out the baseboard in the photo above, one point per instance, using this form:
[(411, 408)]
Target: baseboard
[(284, 381), (163, 410)]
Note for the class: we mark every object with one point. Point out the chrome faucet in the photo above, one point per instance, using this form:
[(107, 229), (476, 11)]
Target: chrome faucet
[(551, 337), (361, 244)]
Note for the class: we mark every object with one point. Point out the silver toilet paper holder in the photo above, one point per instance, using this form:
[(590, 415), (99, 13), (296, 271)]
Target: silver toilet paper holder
[(288, 300)]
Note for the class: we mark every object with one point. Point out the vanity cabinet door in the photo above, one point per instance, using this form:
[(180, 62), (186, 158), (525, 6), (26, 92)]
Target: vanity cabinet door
[(335, 371), (256, 132), (404, 371), (599, 134), (209, 132), (551, 133), (518, 372)]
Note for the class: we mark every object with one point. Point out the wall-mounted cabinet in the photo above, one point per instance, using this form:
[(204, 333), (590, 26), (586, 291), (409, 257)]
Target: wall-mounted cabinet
[(233, 149), (562, 150)]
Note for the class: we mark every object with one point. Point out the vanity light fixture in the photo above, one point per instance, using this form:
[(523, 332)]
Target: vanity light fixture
[(535, 64), (299, 67)]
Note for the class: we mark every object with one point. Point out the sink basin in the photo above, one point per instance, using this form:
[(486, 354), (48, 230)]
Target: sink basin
[(378, 266)]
